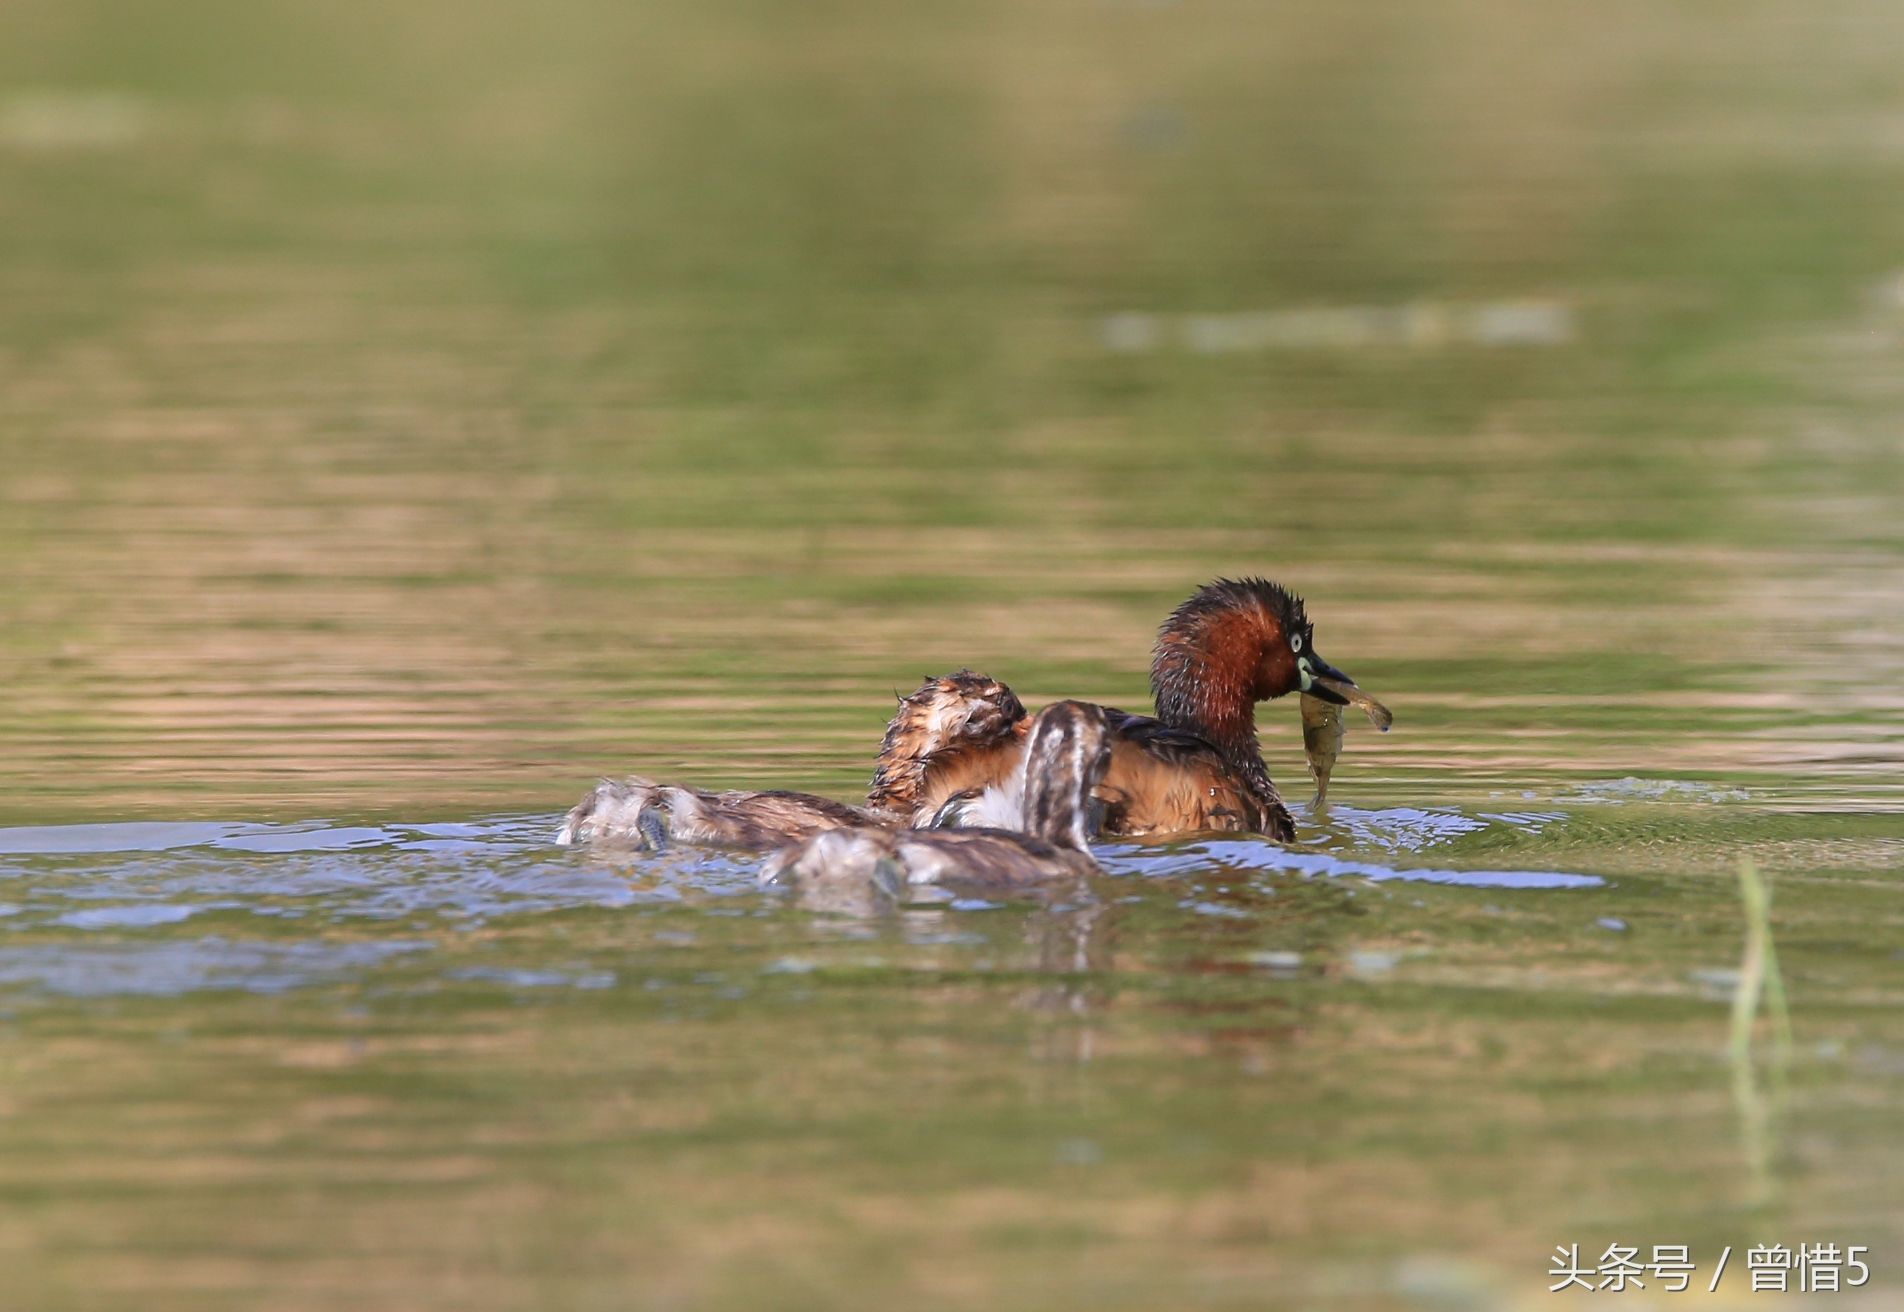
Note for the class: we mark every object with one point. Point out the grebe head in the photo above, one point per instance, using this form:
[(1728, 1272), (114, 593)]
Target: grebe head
[(1233, 644), (977, 707)]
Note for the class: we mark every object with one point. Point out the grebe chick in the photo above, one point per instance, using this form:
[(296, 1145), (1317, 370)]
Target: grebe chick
[(654, 816), (1065, 755), (941, 736), (1196, 765), (958, 731)]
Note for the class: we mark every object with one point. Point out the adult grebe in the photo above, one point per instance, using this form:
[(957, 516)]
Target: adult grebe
[(1195, 765)]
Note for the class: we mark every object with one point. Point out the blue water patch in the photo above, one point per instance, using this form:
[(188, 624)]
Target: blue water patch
[(145, 875), (155, 836), (96, 910), (1400, 829), (137, 916), (168, 968)]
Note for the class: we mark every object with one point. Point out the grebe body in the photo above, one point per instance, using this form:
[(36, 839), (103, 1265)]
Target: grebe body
[(948, 733), (1066, 753)]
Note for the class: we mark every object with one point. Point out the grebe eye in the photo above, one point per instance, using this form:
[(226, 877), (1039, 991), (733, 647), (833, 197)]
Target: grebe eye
[(1295, 642)]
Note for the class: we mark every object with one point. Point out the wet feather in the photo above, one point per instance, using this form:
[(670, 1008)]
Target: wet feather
[(1066, 754), (958, 731)]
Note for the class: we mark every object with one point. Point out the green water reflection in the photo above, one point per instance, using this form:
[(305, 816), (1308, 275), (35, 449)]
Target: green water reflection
[(406, 415)]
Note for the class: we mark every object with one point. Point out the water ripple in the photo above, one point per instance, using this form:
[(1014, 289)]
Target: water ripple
[(91, 909), (1259, 856), (190, 965)]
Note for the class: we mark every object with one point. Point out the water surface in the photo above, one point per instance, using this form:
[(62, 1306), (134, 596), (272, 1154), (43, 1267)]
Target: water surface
[(406, 416)]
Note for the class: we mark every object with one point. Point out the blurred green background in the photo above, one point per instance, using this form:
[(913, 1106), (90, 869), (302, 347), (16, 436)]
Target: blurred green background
[(444, 403), (409, 412)]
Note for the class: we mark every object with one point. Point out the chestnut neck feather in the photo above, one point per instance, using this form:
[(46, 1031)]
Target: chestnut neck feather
[(1210, 666)]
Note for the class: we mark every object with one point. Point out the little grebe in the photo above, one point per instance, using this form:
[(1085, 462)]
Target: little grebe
[(941, 739), (956, 732), (1065, 756), (1195, 765)]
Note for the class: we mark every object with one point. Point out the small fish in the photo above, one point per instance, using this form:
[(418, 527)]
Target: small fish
[(1322, 729)]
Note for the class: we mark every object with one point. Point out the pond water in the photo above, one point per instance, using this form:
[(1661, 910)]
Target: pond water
[(406, 417)]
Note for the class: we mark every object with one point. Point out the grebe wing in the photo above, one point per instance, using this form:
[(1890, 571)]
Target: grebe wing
[(991, 765), (1165, 780), (768, 819)]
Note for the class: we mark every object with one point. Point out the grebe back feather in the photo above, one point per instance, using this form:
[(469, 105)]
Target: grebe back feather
[(1066, 753)]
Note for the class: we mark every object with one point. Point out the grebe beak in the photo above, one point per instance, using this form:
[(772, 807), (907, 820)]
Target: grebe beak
[(1313, 668)]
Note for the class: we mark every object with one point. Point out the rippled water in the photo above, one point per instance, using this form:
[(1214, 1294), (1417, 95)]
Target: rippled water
[(1385, 1066), (442, 877), (408, 415)]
